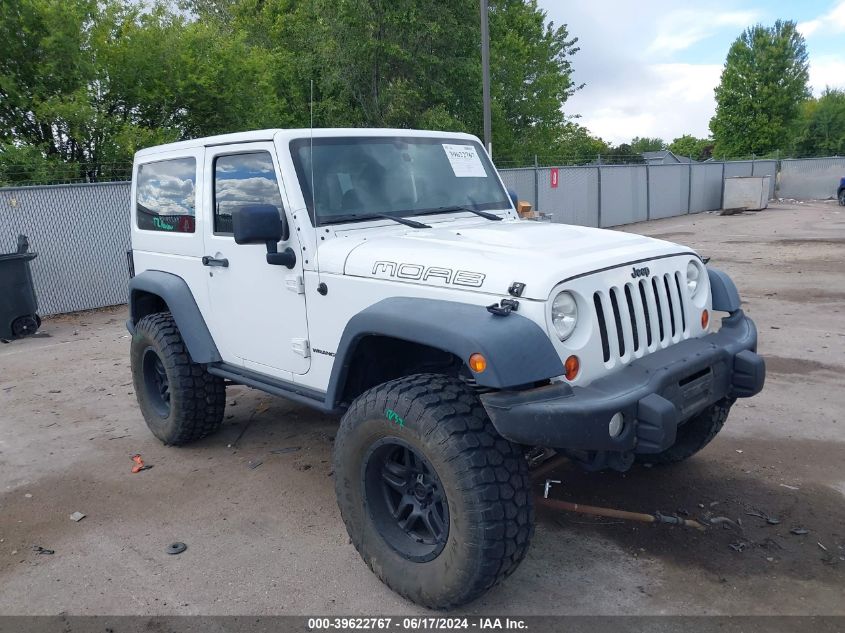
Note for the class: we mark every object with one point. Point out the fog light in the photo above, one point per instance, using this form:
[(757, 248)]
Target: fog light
[(477, 363), (705, 319), (616, 424), (572, 365)]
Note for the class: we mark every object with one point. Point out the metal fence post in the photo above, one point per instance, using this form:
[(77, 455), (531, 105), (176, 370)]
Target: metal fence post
[(647, 191), (722, 188), (689, 187), (598, 162), (536, 183)]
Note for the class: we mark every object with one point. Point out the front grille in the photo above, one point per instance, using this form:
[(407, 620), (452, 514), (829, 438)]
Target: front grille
[(641, 316)]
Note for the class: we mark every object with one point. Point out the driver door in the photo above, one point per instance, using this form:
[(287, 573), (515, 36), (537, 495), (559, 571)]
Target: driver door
[(257, 309)]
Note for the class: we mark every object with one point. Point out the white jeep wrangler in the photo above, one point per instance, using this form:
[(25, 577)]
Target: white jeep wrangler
[(385, 275)]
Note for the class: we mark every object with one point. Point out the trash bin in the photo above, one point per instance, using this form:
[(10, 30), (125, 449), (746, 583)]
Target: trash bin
[(18, 303)]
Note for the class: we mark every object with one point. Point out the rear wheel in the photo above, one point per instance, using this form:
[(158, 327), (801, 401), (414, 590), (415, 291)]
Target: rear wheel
[(181, 402), (693, 435), (841, 197), (435, 501)]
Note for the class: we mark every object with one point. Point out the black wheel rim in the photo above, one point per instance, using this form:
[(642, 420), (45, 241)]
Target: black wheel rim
[(24, 326), (405, 499), (156, 382)]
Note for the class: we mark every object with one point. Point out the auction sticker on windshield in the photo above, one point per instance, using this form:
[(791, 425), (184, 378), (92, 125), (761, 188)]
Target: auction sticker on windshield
[(465, 161)]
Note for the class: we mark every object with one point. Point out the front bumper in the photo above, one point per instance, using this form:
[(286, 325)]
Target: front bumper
[(654, 393)]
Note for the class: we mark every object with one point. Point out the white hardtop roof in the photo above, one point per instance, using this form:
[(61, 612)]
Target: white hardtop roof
[(284, 135)]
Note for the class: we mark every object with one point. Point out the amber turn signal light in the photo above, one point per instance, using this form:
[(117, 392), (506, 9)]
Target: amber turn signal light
[(572, 365), (477, 363), (705, 319)]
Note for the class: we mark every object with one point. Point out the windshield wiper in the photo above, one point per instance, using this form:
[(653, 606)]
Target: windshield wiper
[(483, 214), (354, 217), (396, 218)]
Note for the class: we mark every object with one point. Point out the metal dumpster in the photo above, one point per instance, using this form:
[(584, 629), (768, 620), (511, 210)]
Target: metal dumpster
[(18, 304)]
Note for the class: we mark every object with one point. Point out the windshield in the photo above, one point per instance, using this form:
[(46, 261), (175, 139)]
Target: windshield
[(356, 178)]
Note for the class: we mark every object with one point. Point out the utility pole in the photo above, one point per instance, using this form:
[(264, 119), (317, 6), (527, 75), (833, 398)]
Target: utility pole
[(485, 76)]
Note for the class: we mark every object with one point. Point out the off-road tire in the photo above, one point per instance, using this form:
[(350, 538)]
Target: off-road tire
[(841, 197), (196, 398), (693, 435), (485, 479)]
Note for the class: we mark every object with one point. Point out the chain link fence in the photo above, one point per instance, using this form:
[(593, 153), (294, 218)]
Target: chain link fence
[(81, 235)]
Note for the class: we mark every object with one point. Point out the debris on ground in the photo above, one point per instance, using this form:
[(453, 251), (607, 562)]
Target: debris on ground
[(139, 464), (762, 515), (822, 546), (738, 546), (77, 516), (254, 463), (799, 531), (176, 548), (42, 550), (724, 522), (28, 495), (287, 449), (790, 487)]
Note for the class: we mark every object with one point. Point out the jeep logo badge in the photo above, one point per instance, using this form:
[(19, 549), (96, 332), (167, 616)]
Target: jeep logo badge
[(640, 272)]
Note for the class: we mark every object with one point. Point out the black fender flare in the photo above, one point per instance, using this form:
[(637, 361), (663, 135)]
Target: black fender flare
[(723, 290), (518, 351), (174, 291)]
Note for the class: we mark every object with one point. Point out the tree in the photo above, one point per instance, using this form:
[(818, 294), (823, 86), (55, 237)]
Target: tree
[(821, 128), (688, 145), (763, 83), (646, 144), (89, 82)]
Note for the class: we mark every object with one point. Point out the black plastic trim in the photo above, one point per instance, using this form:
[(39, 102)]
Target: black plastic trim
[(648, 393), (174, 291), (517, 350), (274, 386), (723, 290), (630, 263)]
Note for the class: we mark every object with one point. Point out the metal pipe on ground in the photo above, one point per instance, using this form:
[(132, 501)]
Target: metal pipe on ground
[(642, 517)]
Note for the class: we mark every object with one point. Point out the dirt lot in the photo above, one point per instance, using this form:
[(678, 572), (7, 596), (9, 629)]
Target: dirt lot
[(269, 540)]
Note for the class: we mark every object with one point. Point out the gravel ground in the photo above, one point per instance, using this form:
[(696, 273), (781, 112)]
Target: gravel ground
[(269, 540)]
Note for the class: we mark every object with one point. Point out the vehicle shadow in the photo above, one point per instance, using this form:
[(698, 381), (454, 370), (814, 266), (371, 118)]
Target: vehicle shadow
[(804, 535)]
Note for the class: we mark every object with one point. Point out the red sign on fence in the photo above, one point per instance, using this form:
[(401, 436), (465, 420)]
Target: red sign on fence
[(554, 177)]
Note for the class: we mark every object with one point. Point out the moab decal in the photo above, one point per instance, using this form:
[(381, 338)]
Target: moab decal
[(417, 272)]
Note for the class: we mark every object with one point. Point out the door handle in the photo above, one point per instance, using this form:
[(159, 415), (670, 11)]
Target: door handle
[(207, 260)]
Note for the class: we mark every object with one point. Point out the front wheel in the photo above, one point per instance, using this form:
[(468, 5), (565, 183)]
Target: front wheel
[(435, 501), (841, 197)]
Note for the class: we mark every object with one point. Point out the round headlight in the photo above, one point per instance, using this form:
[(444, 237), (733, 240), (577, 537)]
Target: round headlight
[(564, 314), (693, 273)]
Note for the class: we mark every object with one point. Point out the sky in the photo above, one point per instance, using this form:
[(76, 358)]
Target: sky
[(650, 66)]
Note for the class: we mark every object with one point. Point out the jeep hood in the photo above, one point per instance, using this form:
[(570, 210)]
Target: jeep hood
[(492, 254)]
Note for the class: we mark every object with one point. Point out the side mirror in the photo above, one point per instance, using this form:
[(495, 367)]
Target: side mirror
[(257, 223), (514, 198)]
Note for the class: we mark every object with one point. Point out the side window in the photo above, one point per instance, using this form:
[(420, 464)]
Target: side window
[(165, 195), (241, 180)]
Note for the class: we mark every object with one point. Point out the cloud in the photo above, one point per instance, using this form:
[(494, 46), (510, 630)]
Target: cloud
[(681, 29), (832, 21), (663, 100), (236, 192), (827, 70)]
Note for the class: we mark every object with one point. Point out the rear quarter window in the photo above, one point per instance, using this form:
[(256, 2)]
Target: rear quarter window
[(165, 195)]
